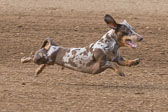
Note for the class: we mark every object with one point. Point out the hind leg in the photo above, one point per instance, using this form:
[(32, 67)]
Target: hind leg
[(39, 69), (27, 59)]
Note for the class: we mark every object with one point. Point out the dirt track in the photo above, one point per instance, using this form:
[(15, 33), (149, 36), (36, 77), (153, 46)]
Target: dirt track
[(76, 23)]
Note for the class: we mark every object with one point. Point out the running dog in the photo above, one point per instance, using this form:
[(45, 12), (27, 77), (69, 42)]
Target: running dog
[(92, 59)]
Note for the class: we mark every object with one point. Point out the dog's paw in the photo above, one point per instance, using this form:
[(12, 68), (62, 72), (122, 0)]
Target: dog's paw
[(121, 74), (135, 62)]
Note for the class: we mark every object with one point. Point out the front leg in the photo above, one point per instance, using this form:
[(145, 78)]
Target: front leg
[(113, 66), (124, 62)]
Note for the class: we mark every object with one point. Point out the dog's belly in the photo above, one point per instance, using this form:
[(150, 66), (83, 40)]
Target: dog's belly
[(78, 59)]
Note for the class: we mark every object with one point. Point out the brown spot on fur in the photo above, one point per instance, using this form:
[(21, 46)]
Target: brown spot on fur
[(71, 62), (101, 40), (86, 52), (108, 38), (73, 52), (90, 63), (68, 50)]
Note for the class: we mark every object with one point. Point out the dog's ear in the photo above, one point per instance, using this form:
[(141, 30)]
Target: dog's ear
[(110, 21)]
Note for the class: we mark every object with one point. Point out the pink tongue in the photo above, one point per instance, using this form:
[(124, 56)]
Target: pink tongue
[(132, 44)]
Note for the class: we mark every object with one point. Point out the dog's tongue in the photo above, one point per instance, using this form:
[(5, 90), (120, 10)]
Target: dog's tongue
[(132, 44)]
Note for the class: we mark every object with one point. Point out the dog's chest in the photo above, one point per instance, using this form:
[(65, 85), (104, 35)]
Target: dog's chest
[(108, 46), (112, 53), (106, 42), (77, 57)]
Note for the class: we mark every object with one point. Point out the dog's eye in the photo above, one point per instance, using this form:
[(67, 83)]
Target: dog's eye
[(126, 31)]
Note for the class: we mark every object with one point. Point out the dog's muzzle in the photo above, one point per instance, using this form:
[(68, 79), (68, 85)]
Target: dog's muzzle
[(140, 38)]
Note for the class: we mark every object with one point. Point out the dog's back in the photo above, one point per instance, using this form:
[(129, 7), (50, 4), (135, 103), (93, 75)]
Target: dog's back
[(78, 58)]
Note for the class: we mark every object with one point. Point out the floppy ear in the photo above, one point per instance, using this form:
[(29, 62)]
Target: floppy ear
[(110, 21)]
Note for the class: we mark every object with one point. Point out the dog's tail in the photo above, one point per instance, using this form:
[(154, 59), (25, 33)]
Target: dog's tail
[(48, 41)]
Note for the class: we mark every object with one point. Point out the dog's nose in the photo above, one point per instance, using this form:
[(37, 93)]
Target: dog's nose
[(141, 38)]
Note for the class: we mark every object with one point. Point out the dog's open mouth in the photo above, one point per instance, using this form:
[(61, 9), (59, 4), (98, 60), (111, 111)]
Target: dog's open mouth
[(130, 43)]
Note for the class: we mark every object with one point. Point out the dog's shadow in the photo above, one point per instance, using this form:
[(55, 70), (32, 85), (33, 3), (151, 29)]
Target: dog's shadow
[(106, 86)]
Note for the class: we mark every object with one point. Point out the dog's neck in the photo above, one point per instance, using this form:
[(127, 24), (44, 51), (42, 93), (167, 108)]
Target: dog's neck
[(110, 38)]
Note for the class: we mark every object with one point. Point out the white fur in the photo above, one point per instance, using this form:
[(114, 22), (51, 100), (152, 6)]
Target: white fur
[(103, 45), (79, 58), (52, 49)]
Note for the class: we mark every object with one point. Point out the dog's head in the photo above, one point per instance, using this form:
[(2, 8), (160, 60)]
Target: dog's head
[(125, 35)]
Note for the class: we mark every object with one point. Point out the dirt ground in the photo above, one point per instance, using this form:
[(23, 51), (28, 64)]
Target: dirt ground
[(77, 23)]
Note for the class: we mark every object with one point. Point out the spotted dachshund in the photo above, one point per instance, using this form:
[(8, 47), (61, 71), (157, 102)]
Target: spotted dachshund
[(96, 57)]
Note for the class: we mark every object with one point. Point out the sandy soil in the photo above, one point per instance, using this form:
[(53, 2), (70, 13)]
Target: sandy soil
[(76, 23)]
